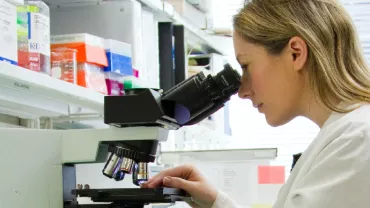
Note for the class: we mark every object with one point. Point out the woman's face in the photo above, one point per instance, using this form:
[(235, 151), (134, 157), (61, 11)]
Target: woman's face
[(274, 83)]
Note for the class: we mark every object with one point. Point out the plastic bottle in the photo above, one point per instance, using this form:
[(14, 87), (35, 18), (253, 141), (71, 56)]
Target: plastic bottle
[(33, 20)]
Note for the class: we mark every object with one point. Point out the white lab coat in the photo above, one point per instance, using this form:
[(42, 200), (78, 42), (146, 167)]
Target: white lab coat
[(334, 171)]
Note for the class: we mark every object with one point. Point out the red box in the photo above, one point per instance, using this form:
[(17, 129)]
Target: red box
[(271, 175)]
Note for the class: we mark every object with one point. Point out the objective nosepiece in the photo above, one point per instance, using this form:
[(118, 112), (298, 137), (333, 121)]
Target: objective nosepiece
[(124, 160)]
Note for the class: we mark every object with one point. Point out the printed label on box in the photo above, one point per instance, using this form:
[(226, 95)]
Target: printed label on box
[(39, 33)]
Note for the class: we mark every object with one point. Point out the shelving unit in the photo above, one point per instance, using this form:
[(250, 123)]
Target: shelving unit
[(165, 12), (30, 95)]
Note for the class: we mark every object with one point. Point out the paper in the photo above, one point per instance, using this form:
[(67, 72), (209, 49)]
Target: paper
[(271, 175), (231, 178)]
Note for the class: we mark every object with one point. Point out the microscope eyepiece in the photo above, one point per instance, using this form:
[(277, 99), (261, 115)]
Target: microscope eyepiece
[(225, 84), (199, 96), (187, 103)]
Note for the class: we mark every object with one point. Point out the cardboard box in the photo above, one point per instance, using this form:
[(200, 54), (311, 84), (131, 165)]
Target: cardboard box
[(190, 12), (8, 32)]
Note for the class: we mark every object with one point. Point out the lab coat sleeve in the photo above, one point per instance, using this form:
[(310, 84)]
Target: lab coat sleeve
[(224, 201), (339, 177)]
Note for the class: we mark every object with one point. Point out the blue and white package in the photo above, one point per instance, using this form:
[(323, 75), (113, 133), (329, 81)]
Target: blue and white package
[(119, 56)]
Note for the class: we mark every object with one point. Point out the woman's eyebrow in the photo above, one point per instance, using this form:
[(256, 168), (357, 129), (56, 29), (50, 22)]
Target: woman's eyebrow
[(239, 56)]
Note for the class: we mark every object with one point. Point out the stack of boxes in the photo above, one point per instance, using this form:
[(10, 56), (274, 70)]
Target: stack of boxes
[(25, 34), (102, 65), (90, 59), (119, 65), (83, 59), (33, 29)]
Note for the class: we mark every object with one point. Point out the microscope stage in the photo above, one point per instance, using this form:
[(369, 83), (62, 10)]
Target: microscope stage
[(134, 197)]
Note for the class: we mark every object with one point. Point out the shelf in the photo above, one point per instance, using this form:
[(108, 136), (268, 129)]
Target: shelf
[(31, 95), (224, 155), (165, 11)]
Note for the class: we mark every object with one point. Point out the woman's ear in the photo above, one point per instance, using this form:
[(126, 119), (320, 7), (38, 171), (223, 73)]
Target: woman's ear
[(297, 48)]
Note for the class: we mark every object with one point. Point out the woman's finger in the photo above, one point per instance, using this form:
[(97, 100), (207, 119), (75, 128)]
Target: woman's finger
[(179, 172)]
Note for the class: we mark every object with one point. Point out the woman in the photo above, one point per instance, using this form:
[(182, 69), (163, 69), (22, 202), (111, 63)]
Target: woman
[(301, 58)]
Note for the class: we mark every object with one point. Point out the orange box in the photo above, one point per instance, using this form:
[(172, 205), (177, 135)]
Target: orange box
[(90, 48), (91, 58)]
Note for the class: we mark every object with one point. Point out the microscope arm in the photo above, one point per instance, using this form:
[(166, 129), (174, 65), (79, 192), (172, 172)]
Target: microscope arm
[(82, 146)]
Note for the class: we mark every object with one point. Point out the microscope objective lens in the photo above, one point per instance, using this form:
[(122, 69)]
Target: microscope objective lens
[(127, 165), (141, 182), (110, 165), (119, 176), (117, 167), (141, 173)]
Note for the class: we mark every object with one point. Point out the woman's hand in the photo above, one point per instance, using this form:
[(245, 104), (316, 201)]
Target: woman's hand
[(189, 179)]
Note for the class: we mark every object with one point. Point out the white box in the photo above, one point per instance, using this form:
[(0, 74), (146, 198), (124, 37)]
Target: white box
[(16, 2), (118, 47), (8, 32), (189, 12), (86, 38)]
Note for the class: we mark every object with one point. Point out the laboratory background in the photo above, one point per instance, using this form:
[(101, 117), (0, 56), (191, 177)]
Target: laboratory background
[(66, 64)]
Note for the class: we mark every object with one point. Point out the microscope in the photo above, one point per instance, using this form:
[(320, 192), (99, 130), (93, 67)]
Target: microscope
[(38, 166)]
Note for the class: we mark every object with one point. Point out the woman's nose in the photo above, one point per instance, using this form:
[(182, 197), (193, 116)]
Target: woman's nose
[(245, 91)]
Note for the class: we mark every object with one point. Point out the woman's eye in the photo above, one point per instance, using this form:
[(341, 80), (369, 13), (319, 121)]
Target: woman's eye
[(245, 68)]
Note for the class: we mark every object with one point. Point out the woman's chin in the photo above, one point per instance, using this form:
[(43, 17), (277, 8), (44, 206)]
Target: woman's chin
[(275, 121)]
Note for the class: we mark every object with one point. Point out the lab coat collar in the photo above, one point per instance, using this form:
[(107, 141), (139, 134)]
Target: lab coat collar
[(335, 115)]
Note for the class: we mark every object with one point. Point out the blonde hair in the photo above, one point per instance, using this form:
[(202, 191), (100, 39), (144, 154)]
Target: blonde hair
[(336, 66)]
